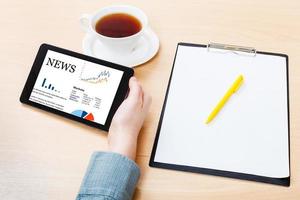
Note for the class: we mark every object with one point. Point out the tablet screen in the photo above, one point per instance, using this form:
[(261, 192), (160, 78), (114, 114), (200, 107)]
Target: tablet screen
[(76, 86)]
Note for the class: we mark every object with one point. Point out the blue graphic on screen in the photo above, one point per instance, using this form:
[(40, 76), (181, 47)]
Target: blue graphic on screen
[(49, 87), (83, 114)]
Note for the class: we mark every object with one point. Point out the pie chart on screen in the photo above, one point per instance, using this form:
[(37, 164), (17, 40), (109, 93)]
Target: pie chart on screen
[(83, 114)]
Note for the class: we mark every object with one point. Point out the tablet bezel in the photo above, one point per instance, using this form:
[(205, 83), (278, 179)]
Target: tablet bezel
[(34, 72)]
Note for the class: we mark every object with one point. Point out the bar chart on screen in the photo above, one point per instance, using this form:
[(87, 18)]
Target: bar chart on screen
[(48, 86)]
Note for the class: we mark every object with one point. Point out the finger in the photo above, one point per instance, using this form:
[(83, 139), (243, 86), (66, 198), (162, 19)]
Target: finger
[(135, 90), (146, 102)]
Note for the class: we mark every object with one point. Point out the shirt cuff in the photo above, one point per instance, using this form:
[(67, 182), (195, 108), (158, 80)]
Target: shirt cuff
[(110, 174)]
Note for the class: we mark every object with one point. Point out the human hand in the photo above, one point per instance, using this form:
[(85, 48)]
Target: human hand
[(128, 120)]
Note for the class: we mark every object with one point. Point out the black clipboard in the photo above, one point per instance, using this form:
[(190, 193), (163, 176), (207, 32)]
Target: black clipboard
[(244, 176)]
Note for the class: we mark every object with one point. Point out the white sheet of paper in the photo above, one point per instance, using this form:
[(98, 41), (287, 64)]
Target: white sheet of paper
[(250, 133)]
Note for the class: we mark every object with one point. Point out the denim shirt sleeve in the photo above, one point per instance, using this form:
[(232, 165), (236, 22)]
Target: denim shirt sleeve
[(109, 176)]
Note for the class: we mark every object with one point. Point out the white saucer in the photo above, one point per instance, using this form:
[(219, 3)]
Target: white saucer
[(147, 47)]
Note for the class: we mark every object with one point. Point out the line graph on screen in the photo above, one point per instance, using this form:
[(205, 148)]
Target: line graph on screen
[(94, 74)]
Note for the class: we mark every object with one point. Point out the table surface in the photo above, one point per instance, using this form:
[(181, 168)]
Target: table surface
[(44, 156)]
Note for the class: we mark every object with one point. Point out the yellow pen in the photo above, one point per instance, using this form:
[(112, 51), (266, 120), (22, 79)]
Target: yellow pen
[(234, 87)]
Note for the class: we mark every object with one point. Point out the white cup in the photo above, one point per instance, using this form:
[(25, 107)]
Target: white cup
[(118, 45)]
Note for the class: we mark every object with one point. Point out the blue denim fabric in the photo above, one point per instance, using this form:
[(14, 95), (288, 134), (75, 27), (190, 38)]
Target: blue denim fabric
[(109, 176)]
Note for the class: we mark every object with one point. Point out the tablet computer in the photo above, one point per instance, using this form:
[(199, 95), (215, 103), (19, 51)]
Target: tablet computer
[(76, 86)]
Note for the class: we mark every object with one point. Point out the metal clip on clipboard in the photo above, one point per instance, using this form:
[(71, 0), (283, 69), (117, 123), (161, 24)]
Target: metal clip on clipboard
[(225, 48)]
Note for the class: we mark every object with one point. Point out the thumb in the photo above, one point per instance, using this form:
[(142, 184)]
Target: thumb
[(135, 89)]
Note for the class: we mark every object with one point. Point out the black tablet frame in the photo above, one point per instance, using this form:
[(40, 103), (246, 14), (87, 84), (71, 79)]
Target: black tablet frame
[(277, 181), (118, 99)]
